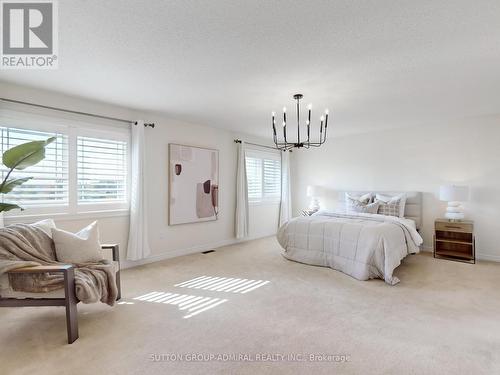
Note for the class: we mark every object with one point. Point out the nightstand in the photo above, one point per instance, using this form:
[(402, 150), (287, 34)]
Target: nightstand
[(308, 212), (454, 240)]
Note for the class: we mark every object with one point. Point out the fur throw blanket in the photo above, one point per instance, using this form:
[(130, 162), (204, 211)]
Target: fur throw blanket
[(24, 245)]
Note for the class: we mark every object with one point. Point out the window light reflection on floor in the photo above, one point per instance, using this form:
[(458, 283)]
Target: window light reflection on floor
[(223, 284), (192, 305)]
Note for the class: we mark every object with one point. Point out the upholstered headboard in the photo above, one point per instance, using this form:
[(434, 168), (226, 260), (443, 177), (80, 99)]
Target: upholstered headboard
[(413, 207)]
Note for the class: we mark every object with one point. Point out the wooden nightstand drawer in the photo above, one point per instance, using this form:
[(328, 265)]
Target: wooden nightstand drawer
[(459, 226), (454, 240)]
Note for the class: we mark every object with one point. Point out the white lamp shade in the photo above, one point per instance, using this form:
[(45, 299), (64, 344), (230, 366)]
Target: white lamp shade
[(312, 191), (454, 193)]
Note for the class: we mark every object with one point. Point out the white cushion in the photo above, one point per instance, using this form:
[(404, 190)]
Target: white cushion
[(81, 247), (388, 203), (357, 199), (46, 226), (371, 208), (353, 200)]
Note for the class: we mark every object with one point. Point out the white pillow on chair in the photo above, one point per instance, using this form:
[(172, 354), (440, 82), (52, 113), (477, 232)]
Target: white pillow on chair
[(81, 247), (46, 226)]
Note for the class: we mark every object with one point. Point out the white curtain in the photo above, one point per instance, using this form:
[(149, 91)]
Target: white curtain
[(285, 203), (138, 246), (241, 219)]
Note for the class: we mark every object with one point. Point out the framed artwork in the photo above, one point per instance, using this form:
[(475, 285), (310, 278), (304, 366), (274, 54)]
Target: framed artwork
[(193, 184)]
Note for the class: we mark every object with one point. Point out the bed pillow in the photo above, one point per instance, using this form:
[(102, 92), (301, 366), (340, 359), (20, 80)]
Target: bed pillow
[(370, 208), (81, 247), (357, 200), (391, 205)]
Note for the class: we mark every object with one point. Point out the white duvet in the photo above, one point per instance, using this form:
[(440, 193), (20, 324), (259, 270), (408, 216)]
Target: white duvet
[(364, 246)]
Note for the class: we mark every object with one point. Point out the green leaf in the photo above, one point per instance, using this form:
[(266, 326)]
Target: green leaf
[(4, 207), (26, 155), (11, 184)]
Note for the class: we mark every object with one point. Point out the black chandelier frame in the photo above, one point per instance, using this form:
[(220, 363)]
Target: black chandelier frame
[(284, 145)]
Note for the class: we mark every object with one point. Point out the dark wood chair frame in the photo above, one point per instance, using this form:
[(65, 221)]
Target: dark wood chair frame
[(69, 301)]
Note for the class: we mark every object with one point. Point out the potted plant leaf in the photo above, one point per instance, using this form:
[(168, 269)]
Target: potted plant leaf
[(18, 158)]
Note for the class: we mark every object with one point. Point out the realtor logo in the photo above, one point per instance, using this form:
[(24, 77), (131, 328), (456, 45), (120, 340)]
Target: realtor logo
[(29, 34)]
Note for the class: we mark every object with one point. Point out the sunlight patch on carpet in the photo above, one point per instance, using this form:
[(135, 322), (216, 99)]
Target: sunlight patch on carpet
[(192, 305), (223, 284)]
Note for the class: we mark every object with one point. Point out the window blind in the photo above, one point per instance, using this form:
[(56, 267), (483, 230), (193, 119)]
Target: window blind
[(49, 185), (254, 178), (272, 178), (263, 176), (101, 170)]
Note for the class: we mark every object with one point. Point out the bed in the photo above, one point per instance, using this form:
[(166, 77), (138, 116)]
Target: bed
[(362, 245)]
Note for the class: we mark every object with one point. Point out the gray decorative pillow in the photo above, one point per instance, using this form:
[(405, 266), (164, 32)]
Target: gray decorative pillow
[(352, 201), (399, 199), (81, 247), (389, 209), (371, 208)]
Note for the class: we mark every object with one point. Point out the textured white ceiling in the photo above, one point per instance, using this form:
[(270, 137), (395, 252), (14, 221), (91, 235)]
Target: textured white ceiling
[(375, 64)]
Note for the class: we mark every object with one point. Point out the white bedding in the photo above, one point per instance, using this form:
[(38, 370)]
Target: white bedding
[(364, 246)]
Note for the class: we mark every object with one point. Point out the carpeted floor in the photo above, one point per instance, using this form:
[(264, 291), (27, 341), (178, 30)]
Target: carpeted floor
[(443, 318)]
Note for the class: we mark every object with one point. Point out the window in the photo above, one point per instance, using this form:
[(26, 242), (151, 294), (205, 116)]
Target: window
[(254, 178), (49, 185), (85, 169), (263, 176), (102, 170)]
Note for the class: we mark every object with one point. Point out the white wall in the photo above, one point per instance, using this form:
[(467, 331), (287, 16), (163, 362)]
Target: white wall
[(418, 158), (166, 241)]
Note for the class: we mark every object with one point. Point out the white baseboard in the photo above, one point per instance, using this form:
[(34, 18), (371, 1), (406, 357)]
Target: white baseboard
[(479, 256), (489, 257), (186, 251), (232, 241)]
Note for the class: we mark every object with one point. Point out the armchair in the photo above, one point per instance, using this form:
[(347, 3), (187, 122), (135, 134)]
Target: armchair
[(63, 297)]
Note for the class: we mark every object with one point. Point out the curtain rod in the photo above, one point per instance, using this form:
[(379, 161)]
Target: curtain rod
[(256, 144), (152, 125)]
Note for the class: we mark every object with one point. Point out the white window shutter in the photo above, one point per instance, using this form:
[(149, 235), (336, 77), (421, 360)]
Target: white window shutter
[(101, 170), (49, 183), (263, 176)]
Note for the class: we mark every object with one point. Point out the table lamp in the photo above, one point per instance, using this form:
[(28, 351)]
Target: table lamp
[(454, 195), (313, 192)]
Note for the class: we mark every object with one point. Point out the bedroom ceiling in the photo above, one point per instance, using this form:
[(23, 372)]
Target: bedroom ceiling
[(375, 64)]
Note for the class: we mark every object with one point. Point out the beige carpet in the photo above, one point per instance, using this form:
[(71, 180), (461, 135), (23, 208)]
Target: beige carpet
[(443, 318)]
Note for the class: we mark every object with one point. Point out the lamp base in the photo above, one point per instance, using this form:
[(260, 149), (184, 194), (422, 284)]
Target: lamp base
[(314, 205), (454, 211)]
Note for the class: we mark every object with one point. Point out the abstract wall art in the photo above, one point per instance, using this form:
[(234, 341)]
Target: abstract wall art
[(194, 184)]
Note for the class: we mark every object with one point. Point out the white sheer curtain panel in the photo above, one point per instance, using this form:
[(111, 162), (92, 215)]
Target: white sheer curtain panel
[(138, 245), (241, 218), (285, 202)]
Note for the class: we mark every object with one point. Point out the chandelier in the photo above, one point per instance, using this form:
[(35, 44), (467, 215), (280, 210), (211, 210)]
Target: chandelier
[(284, 145)]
